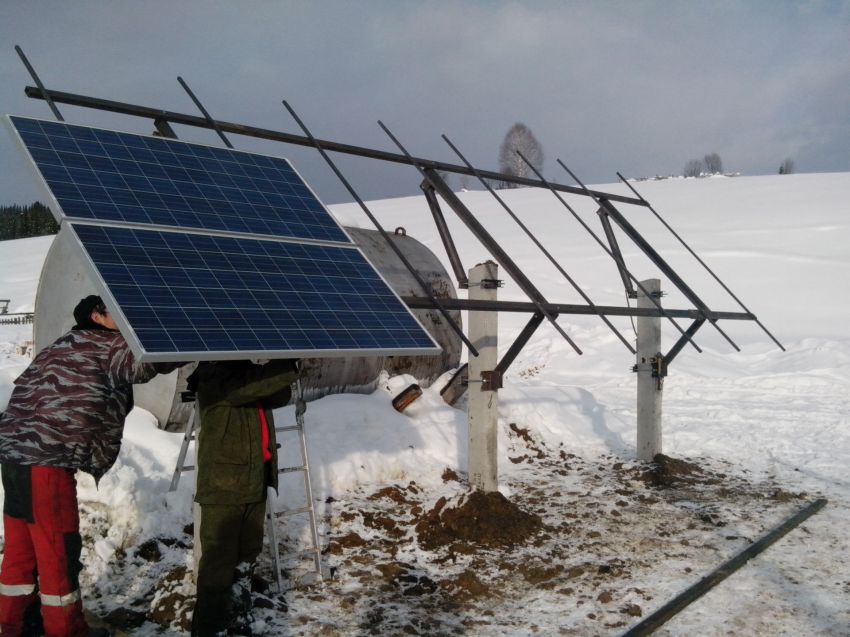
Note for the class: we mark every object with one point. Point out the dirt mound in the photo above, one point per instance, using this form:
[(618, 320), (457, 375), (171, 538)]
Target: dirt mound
[(667, 472), (487, 519)]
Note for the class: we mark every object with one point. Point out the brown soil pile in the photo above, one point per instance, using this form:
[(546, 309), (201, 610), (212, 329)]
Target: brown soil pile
[(487, 519), (667, 472)]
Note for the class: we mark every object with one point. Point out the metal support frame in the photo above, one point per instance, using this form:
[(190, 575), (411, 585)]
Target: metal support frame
[(602, 244), (678, 345), (482, 235), (163, 128), (540, 246), (445, 235), (701, 262), (434, 185), (660, 263)]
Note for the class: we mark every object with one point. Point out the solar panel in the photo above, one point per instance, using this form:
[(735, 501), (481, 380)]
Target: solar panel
[(121, 177), (190, 296)]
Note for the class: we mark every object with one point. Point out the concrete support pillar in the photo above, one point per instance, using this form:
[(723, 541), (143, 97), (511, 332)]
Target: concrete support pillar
[(483, 405), (649, 387)]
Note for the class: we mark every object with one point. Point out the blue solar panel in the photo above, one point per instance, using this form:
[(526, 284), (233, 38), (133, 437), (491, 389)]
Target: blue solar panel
[(112, 176), (196, 296)]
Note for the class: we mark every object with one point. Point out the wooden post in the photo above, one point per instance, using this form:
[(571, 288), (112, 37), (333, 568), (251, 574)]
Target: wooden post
[(483, 405), (649, 386)]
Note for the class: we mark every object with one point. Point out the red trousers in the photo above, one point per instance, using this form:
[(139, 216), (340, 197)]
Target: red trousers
[(42, 530)]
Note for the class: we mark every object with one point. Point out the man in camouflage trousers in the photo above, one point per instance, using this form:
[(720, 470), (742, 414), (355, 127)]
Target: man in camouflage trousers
[(66, 412)]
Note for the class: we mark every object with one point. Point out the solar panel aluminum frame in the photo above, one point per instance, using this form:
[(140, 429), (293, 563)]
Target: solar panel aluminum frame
[(59, 213), (143, 355)]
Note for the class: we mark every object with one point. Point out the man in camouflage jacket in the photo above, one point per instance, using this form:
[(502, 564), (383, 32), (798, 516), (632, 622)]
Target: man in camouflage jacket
[(66, 412)]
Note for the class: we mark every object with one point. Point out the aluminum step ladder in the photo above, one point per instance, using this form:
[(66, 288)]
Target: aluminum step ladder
[(189, 436), (315, 550), (317, 575)]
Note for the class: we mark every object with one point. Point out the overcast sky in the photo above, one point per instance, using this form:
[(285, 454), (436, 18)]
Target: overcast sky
[(636, 86)]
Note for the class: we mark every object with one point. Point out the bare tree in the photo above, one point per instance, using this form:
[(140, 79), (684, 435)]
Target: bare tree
[(787, 166), (713, 164), (693, 168), (519, 138)]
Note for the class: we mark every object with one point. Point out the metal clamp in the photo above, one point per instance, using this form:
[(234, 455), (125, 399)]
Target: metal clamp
[(488, 284), (657, 365), (491, 380)]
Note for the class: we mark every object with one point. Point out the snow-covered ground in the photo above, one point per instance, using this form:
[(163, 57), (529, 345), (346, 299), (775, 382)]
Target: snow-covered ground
[(763, 431)]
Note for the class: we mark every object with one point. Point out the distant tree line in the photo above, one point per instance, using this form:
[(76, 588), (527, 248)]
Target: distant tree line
[(786, 167), (711, 164), (19, 222)]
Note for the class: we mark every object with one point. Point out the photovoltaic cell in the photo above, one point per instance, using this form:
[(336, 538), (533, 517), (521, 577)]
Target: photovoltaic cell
[(121, 177), (204, 296)]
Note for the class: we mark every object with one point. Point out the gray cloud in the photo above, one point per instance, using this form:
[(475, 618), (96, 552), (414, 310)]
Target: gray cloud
[(639, 87)]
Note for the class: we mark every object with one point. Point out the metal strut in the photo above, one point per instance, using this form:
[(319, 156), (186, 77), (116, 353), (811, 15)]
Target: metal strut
[(702, 263), (543, 249), (207, 116), (45, 94), (445, 235), (590, 231), (425, 287)]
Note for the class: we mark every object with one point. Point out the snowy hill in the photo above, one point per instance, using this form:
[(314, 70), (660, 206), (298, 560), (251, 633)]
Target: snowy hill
[(762, 432)]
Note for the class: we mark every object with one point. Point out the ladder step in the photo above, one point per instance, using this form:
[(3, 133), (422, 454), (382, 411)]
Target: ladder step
[(187, 467), (291, 469), (288, 428), (303, 553), (285, 512)]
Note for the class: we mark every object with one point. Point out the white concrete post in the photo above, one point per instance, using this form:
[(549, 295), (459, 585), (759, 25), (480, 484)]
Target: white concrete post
[(483, 406), (649, 391)]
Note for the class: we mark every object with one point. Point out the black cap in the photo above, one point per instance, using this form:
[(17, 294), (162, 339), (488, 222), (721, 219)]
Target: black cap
[(82, 313)]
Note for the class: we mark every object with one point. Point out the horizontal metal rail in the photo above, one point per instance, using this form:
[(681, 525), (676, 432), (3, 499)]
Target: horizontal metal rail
[(420, 302), (300, 140)]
